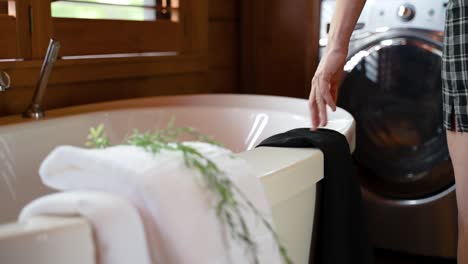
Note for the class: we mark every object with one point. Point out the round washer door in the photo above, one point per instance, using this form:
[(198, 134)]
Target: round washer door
[(393, 89)]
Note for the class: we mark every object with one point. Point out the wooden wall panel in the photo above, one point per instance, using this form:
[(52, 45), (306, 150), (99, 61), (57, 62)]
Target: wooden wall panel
[(223, 9), (136, 36), (197, 30), (3, 8), (312, 31), (8, 37), (222, 81), (279, 44), (221, 77), (223, 44), (60, 95)]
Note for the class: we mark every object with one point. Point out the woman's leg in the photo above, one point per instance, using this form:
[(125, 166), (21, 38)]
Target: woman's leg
[(458, 147)]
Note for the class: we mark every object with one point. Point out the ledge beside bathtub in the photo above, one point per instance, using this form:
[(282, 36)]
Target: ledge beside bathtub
[(47, 240), (285, 172)]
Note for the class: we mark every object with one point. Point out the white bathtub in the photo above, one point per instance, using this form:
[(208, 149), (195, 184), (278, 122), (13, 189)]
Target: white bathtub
[(238, 121)]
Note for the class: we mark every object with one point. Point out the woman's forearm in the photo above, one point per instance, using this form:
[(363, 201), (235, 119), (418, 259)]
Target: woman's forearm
[(343, 22)]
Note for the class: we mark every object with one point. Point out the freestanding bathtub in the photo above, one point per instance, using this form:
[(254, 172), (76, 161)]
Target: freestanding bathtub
[(240, 122)]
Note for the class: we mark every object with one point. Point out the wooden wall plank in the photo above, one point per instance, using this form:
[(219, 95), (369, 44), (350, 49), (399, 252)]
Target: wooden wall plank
[(223, 81), (196, 34), (60, 95), (279, 42), (312, 38), (21, 11), (223, 9), (224, 45), (3, 7), (8, 37), (41, 29), (70, 71), (223, 48), (16, 100), (89, 37)]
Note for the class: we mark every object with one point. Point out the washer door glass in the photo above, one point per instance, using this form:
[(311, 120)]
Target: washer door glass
[(393, 90)]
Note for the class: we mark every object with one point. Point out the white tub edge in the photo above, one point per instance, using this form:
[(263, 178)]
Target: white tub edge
[(68, 239)]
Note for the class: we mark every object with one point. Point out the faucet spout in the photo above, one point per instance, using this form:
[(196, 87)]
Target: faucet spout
[(35, 110)]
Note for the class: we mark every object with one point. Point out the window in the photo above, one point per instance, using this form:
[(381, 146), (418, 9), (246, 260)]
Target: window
[(103, 39), (88, 27), (139, 10)]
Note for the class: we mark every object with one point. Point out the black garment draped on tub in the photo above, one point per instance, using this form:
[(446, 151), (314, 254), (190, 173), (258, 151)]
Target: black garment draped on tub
[(342, 235)]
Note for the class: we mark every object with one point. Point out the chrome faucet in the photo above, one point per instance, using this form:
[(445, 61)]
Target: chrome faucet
[(35, 108), (4, 81)]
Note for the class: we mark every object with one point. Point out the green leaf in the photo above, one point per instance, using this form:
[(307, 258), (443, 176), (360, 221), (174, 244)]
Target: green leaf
[(97, 138)]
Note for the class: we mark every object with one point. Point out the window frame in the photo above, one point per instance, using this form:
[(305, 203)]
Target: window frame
[(112, 36), (3, 7), (139, 37), (190, 57), (8, 38)]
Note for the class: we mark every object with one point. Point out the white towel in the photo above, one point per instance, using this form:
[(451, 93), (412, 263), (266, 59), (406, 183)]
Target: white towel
[(178, 212), (118, 229)]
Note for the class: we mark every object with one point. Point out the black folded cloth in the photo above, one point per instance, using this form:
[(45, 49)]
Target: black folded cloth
[(342, 229)]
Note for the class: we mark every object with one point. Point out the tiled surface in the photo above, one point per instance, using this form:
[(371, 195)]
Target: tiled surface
[(387, 257)]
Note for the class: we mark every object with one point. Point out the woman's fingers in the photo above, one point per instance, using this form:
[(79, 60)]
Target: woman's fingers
[(327, 96), (313, 106), (315, 116), (320, 97), (321, 106)]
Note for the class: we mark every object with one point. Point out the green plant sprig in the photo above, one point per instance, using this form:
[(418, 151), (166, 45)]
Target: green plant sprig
[(97, 138), (228, 207)]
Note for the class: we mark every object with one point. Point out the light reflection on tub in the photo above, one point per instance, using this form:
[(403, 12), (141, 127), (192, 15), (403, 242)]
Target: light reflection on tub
[(258, 126)]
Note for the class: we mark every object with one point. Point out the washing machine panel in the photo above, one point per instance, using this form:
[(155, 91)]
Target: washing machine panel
[(393, 89), (392, 86)]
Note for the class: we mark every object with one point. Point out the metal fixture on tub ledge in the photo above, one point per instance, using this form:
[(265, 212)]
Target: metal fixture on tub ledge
[(35, 108), (4, 81)]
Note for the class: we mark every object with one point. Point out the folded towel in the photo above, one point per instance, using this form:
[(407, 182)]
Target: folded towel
[(178, 212), (342, 229), (118, 229)]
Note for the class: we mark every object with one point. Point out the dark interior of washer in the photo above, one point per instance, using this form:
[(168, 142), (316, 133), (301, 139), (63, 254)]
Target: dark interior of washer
[(394, 94)]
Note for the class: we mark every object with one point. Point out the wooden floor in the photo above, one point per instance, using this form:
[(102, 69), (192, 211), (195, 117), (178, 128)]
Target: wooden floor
[(388, 257)]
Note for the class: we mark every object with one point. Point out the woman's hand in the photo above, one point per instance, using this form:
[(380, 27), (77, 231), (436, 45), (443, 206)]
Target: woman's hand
[(324, 86)]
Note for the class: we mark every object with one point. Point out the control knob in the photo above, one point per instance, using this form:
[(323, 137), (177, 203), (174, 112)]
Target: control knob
[(406, 12)]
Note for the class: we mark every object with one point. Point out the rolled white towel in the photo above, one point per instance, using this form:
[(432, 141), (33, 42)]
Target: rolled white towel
[(117, 226), (177, 210)]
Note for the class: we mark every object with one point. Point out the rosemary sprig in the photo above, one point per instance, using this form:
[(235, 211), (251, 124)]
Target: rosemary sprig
[(228, 207), (97, 138)]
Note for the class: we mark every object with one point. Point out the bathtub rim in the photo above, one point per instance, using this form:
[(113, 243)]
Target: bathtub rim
[(291, 105)]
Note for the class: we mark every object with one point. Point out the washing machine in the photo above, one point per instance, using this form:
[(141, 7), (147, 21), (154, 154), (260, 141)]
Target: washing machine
[(392, 87)]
